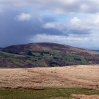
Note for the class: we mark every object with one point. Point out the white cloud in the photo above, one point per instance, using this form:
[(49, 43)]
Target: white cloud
[(49, 25), (96, 21), (91, 22), (58, 38), (73, 40), (23, 17), (75, 21)]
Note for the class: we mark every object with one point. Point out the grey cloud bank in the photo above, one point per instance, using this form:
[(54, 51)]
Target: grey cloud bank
[(83, 6)]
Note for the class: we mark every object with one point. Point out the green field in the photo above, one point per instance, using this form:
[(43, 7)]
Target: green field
[(47, 93), (45, 58)]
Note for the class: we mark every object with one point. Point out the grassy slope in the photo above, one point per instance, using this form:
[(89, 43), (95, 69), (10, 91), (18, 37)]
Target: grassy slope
[(48, 58), (46, 54), (48, 93)]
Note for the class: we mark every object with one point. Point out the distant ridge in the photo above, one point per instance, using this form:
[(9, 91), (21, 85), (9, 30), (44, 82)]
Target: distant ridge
[(96, 50), (0, 48), (44, 46), (45, 55)]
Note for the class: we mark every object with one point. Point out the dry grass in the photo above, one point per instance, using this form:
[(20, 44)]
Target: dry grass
[(82, 96), (83, 76)]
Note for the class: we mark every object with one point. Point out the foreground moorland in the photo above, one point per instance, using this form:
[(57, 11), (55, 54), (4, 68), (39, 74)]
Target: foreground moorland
[(50, 83)]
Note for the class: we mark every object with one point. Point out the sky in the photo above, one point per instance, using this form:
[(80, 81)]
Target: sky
[(71, 22)]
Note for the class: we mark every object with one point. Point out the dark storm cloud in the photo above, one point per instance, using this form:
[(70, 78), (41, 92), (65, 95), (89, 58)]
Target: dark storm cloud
[(15, 31)]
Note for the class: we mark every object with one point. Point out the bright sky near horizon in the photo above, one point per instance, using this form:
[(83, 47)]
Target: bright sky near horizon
[(72, 22)]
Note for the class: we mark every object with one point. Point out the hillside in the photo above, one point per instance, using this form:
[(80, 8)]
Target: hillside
[(45, 55), (96, 50)]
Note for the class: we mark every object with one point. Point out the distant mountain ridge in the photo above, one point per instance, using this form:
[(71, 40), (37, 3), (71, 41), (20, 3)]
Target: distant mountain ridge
[(96, 50), (45, 55), (43, 46)]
